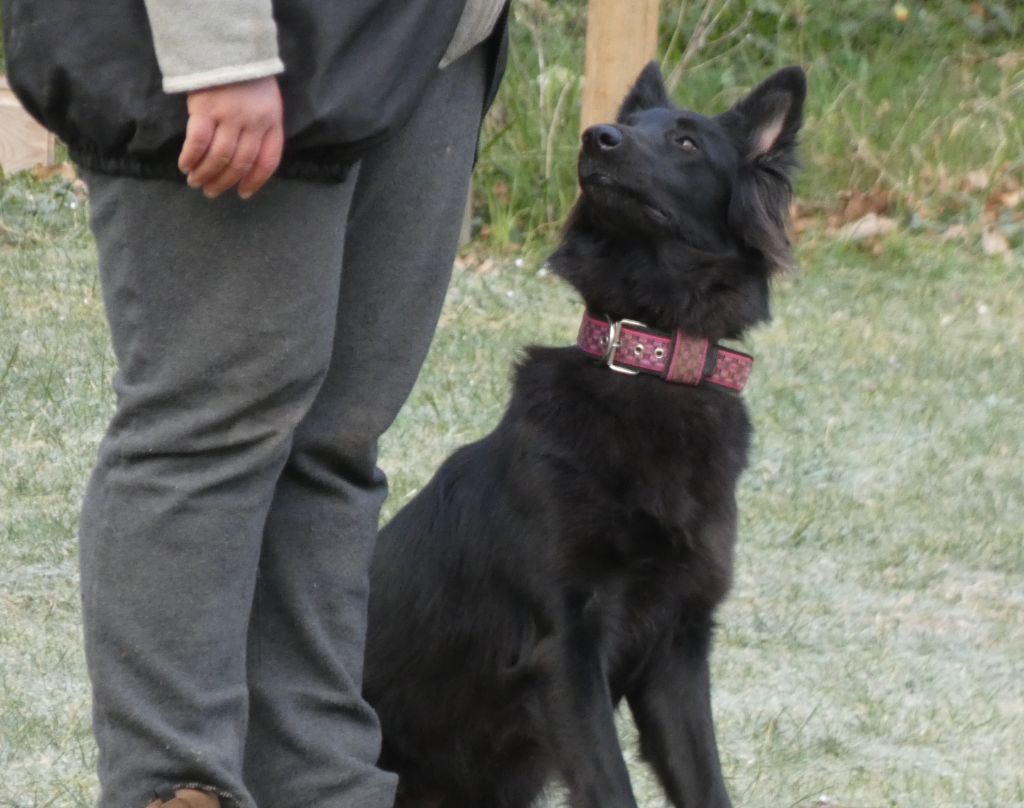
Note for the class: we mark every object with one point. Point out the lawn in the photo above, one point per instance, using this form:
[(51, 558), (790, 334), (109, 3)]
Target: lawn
[(872, 652)]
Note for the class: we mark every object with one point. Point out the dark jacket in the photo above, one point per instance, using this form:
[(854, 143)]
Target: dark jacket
[(354, 71)]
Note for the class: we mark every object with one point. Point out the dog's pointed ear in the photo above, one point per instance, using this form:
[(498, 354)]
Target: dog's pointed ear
[(648, 92), (770, 117), (765, 125)]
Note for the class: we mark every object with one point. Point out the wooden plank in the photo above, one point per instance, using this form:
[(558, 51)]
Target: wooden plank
[(622, 36), (23, 142)]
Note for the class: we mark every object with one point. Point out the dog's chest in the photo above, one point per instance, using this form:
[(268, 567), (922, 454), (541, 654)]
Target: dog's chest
[(567, 405), (644, 458)]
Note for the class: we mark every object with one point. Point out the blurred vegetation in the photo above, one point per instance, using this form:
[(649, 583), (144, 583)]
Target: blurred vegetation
[(914, 105), (908, 98)]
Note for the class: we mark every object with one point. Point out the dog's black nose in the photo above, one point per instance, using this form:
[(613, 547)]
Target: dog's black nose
[(602, 137)]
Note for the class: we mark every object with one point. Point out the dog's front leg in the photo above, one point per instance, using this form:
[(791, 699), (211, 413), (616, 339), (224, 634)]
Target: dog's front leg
[(671, 705), (581, 718)]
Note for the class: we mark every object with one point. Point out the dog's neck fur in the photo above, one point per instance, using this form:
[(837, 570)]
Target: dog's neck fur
[(666, 284)]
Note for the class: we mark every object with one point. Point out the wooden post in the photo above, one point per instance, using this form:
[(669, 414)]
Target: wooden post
[(23, 142), (622, 36)]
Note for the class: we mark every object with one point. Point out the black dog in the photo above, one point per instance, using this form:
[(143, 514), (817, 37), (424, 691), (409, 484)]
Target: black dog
[(576, 555)]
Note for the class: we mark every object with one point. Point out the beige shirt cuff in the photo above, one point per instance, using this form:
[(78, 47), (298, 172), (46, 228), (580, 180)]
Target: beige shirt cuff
[(205, 43)]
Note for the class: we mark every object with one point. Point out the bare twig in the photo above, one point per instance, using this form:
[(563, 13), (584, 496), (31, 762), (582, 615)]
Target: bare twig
[(678, 30), (700, 38), (696, 42)]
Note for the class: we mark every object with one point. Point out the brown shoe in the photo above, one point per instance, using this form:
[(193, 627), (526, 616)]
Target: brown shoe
[(188, 798)]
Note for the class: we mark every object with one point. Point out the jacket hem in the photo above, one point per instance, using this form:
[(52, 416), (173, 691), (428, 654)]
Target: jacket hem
[(166, 168)]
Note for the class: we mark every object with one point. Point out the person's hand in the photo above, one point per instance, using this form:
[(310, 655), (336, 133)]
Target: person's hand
[(235, 135)]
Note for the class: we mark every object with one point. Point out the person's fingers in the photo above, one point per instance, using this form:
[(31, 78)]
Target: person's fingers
[(218, 156), (198, 136), (242, 162), (234, 135), (267, 161)]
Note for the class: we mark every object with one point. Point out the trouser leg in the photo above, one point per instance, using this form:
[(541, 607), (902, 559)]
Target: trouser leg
[(312, 739), (222, 318)]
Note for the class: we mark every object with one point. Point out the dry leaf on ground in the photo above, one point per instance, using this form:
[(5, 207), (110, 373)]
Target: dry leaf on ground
[(860, 203), (45, 173), (994, 243), (868, 226)]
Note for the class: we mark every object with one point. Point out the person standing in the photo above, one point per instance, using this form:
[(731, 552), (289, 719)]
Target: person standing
[(276, 191)]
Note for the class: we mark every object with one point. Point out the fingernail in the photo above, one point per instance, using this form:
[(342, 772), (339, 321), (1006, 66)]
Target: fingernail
[(244, 194)]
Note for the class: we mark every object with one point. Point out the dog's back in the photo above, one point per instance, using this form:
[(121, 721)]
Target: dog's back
[(575, 556)]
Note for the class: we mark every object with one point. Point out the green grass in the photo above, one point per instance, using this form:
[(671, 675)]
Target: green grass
[(55, 373), (871, 649), (870, 655)]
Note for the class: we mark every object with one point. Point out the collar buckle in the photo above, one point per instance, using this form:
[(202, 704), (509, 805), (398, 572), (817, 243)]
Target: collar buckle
[(614, 341)]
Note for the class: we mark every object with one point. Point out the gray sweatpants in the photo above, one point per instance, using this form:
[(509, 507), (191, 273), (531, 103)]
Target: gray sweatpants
[(263, 347)]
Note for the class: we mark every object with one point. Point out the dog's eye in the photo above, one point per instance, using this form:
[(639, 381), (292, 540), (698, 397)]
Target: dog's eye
[(686, 143)]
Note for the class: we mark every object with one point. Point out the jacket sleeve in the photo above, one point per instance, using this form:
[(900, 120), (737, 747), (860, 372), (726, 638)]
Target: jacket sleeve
[(204, 43)]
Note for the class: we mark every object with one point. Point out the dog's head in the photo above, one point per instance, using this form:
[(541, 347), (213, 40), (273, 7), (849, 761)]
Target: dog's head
[(686, 207)]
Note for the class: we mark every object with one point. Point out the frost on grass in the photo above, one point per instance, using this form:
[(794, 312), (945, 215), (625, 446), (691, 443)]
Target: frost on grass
[(47, 754)]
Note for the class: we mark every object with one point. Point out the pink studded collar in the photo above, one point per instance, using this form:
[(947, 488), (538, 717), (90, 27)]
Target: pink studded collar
[(628, 346)]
